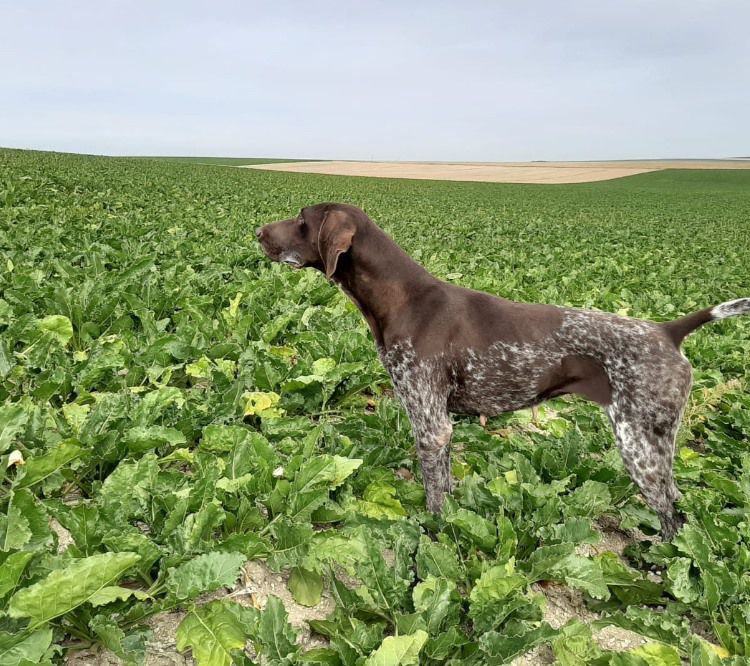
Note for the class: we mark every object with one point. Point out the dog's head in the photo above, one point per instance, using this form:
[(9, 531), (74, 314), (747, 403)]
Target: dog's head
[(317, 237)]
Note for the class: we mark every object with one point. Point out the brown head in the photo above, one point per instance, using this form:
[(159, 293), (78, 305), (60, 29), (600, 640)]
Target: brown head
[(316, 238), (342, 242)]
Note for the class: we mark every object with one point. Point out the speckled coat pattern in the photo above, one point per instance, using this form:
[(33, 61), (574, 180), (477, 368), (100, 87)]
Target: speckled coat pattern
[(454, 350), (650, 383)]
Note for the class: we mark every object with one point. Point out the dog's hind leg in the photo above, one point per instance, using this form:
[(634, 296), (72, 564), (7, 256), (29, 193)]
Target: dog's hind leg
[(646, 435)]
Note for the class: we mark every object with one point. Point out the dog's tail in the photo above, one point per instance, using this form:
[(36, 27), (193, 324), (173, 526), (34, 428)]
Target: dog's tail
[(679, 329)]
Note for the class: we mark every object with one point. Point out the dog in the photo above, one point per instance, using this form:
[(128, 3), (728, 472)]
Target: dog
[(450, 349)]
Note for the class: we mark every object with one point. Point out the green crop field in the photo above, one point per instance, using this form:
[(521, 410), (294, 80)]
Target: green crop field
[(175, 405), (221, 161)]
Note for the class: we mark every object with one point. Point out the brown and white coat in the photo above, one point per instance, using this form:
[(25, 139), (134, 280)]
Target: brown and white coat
[(454, 350)]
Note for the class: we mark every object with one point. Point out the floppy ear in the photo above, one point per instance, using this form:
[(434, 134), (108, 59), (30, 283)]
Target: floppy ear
[(335, 238)]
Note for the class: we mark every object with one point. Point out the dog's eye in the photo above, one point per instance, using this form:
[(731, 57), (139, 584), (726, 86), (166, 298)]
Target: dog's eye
[(301, 221)]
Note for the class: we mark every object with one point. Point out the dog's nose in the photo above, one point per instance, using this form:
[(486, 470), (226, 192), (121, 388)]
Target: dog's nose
[(259, 232)]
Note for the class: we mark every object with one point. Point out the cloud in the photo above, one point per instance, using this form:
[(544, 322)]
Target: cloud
[(383, 80)]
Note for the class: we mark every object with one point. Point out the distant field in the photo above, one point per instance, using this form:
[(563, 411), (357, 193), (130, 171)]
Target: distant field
[(200, 451), (221, 161), (501, 172)]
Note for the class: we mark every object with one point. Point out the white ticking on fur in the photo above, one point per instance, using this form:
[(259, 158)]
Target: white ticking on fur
[(649, 380), (738, 306), (450, 349)]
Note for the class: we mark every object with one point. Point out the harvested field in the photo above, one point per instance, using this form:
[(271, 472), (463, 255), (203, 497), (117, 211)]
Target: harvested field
[(499, 172)]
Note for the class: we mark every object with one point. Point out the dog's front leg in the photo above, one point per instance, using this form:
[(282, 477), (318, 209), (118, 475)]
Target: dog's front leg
[(433, 443), (422, 390)]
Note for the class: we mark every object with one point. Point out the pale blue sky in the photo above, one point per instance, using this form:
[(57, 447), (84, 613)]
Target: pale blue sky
[(463, 80)]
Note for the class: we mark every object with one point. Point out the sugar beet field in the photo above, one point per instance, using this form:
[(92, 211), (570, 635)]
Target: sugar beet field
[(179, 414)]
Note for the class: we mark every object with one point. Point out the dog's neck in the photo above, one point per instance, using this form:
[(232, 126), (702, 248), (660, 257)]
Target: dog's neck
[(383, 281)]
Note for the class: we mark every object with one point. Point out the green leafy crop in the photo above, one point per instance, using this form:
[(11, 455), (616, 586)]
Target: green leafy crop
[(178, 405)]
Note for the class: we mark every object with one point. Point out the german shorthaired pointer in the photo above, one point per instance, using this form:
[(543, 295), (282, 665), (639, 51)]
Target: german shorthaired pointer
[(450, 349)]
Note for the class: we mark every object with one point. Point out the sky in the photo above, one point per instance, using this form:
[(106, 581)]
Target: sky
[(384, 80)]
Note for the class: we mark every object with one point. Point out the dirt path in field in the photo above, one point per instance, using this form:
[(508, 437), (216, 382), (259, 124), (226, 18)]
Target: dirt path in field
[(499, 172)]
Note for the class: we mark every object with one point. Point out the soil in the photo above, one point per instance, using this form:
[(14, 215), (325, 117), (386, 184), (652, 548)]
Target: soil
[(63, 536), (565, 604), (257, 582)]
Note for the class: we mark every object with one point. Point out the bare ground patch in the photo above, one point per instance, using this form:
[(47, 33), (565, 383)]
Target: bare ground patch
[(565, 604), (257, 583)]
